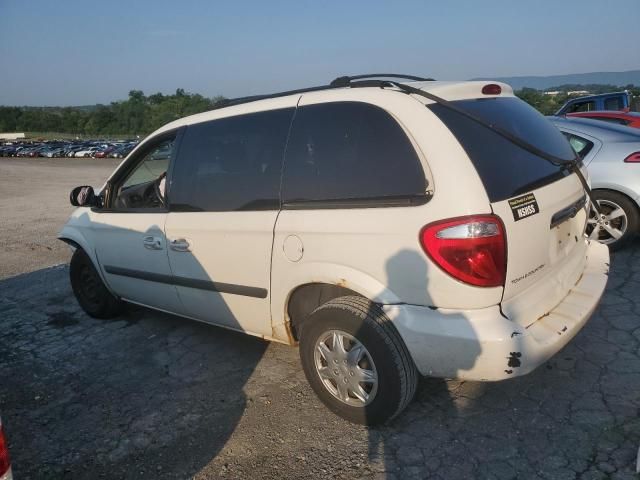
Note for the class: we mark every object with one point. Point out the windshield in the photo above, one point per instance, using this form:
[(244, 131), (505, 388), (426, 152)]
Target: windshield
[(506, 169)]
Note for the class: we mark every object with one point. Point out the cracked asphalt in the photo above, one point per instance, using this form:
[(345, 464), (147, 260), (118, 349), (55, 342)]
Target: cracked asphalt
[(150, 395)]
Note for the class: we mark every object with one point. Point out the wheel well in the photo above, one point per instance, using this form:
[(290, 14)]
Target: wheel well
[(70, 242), (618, 192), (306, 298), (633, 202)]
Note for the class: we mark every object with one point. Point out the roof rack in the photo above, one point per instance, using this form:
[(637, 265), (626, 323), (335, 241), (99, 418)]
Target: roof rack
[(366, 80), (347, 81)]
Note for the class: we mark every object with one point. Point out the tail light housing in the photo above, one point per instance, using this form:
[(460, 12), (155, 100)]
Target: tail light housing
[(5, 462), (633, 158), (492, 89), (471, 249)]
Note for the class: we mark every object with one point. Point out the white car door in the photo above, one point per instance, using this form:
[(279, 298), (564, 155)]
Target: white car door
[(128, 233), (224, 201)]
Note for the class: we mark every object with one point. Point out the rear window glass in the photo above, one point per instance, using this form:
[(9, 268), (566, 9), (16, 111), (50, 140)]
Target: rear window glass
[(350, 151), (505, 169)]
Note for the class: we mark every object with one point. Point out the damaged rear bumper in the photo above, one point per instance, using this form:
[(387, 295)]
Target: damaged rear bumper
[(483, 345)]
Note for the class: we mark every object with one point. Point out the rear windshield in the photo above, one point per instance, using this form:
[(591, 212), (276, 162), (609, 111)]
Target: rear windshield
[(505, 169)]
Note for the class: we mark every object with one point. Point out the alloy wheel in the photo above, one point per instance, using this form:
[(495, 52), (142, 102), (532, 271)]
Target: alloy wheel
[(608, 226)]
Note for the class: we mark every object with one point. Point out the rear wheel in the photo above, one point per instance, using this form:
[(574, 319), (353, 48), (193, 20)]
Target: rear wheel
[(617, 223), (356, 362), (91, 293)]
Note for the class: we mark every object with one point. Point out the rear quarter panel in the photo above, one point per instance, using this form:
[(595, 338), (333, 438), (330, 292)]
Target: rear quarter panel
[(376, 251)]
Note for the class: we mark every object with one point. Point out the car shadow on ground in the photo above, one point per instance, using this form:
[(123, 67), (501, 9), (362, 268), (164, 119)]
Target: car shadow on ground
[(144, 395)]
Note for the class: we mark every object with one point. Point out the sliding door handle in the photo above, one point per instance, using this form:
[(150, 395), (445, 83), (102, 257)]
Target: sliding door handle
[(179, 245), (152, 243)]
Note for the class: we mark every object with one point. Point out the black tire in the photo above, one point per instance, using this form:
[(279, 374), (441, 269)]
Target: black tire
[(91, 293), (608, 201), (366, 322)]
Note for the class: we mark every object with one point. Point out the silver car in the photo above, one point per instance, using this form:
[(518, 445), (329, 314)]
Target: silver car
[(612, 156)]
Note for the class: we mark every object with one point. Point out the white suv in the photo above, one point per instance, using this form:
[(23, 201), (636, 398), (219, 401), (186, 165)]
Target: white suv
[(386, 234)]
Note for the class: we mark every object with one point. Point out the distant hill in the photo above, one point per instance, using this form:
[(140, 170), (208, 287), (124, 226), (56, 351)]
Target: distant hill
[(545, 82)]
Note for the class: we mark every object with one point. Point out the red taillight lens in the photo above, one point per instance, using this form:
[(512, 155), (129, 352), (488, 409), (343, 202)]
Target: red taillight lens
[(5, 463), (470, 249), (633, 158), (492, 89)]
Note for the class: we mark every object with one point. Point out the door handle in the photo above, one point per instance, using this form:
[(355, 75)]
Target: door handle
[(180, 245), (152, 243)]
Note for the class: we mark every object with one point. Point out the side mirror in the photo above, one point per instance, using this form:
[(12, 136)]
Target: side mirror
[(83, 196)]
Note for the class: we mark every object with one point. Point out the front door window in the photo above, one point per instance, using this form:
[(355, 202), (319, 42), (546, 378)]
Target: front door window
[(144, 185)]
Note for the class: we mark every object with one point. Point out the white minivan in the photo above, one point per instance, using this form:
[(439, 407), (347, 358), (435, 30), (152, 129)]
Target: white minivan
[(385, 233)]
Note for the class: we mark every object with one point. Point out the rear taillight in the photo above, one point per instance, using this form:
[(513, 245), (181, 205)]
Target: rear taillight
[(633, 158), (471, 249), (5, 463)]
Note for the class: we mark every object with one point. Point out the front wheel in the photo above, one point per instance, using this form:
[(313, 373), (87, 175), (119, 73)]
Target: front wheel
[(356, 361), (617, 223), (92, 294)]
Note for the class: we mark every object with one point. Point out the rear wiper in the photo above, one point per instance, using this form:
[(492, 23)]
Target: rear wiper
[(571, 165)]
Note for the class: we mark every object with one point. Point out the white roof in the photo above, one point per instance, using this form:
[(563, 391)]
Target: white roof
[(447, 90), (461, 90)]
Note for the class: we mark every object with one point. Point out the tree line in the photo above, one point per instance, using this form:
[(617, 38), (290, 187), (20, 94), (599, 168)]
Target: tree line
[(140, 114)]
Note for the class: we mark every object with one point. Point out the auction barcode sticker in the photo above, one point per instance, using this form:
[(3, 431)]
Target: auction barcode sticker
[(524, 206)]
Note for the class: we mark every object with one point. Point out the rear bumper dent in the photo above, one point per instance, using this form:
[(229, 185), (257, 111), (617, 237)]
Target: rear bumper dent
[(483, 345)]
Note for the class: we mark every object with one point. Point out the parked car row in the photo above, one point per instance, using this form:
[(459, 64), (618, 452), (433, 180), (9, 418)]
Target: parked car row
[(66, 148)]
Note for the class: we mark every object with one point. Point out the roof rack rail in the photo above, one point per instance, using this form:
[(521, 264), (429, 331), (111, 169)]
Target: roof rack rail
[(238, 101), (346, 81)]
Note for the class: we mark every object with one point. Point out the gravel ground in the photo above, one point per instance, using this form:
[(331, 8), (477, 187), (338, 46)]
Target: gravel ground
[(150, 395), (34, 204)]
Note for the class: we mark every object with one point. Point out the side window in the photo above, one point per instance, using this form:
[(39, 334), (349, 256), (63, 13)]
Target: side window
[(349, 151), (582, 107), (582, 146), (613, 103), (144, 184), (231, 164)]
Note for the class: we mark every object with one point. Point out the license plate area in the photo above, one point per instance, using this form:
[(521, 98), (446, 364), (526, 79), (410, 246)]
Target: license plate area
[(566, 235)]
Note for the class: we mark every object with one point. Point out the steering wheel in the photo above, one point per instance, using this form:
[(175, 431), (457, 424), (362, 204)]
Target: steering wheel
[(151, 197), (146, 195)]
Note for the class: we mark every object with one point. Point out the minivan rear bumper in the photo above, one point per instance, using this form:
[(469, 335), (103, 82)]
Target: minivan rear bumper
[(483, 345)]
